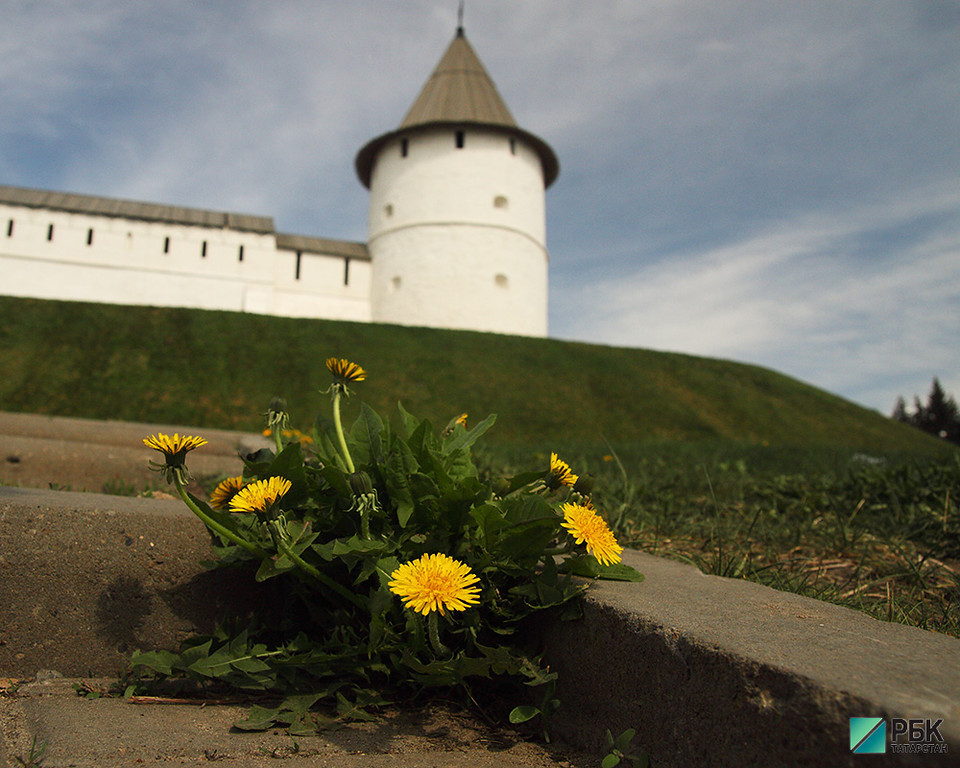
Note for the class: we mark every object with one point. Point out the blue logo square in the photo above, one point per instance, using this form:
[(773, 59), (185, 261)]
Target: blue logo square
[(868, 735)]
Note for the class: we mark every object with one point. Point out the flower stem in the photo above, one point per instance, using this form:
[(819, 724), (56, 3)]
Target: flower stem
[(364, 522), (213, 524), (339, 426), (433, 630), (278, 439), (319, 575)]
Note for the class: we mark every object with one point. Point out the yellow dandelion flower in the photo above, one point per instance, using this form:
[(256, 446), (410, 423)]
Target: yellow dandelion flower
[(290, 434), (587, 526), (260, 496), (345, 372), (559, 473), (435, 583), (174, 449), (296, 434), (221, 496)]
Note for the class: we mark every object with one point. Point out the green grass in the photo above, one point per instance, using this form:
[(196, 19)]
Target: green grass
[(220, 369), (741, 470), (879, 537)]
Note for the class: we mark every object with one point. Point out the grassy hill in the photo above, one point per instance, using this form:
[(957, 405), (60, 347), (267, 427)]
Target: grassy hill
[(220, 369)]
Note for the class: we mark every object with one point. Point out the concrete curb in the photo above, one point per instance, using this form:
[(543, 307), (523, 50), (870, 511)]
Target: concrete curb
[(717, 671), (710, 671), (87, 455)]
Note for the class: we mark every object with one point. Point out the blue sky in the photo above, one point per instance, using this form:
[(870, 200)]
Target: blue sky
[(773, 183)]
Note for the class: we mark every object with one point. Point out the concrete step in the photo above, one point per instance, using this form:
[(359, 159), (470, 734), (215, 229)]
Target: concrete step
[(708, 670), (88, 455), (114, 733)]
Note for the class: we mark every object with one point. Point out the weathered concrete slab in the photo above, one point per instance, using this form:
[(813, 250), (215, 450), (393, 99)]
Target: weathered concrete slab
[(86, 578), (88, 455), (110, 733), (716, 671)]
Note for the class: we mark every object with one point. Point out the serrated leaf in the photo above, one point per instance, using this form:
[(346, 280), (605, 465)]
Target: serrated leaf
[(517, 482), (624, 739), (399, 465), (365, 442), (408, 420), (337, 479), (258, 719), (357, 546), (299, 703), (273, 566), (529, 507), (459, 466), (523, 713), (527, 540), (159, 661), (324, 447), (458, 440), (589, 567), (195, 653)]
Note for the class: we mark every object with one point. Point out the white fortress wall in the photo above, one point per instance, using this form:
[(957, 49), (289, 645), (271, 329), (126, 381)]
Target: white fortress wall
[(333, 284), (55, 254)]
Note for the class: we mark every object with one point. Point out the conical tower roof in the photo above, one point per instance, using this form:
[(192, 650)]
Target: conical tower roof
[(459, 92)]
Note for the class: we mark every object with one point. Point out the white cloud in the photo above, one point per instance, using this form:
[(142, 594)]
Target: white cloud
[(800, 299)]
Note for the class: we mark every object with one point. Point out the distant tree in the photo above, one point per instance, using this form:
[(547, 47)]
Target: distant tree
[(900, 411), (940, 416)]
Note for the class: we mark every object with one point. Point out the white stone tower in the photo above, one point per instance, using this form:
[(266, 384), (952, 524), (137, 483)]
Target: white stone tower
[(457, 222)]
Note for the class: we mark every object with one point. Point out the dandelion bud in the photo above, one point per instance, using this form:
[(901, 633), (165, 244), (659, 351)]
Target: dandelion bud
[(360, 483), (277, 416), (584, 485)]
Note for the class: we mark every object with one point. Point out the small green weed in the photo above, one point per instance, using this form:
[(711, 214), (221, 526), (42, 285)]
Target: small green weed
[(119, 487), (34, 756), (619, 751)]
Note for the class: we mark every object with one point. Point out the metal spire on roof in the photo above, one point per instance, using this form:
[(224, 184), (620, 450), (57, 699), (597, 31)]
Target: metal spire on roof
[(460, 19)]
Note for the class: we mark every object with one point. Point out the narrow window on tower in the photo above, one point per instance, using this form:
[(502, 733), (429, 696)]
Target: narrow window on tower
[(346, 271), (296, 272), (10, 228), (50, 232), (240, 254), (404, 147), (203, 250), (513, 146), (166, 245), (90, 236), (460, 138)]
